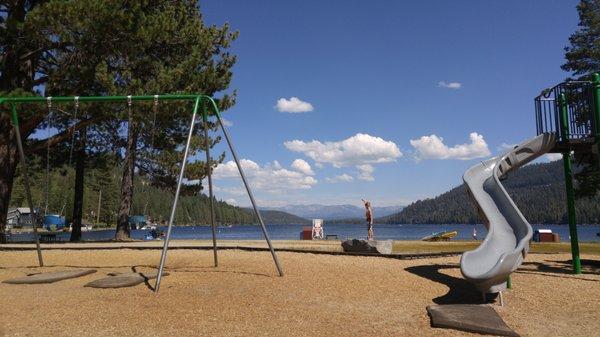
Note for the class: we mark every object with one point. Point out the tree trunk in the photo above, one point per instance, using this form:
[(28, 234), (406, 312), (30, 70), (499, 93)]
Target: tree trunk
[(78, 197), (123, 232), (8, 165)]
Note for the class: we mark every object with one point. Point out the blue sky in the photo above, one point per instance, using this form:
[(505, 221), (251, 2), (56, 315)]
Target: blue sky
[(377, 75)]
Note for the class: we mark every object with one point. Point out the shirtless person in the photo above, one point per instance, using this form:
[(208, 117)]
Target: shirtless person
[(369, 215)]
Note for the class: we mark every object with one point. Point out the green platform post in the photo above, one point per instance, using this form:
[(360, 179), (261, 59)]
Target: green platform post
[(564, 126), (596, 79)]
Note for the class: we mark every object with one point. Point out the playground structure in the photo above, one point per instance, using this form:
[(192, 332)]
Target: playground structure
[(199, 101), (567, 120)]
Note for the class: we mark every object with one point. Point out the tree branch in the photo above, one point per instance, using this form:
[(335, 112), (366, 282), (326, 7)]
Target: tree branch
[(50, 46), (40, 80), (60, 137)]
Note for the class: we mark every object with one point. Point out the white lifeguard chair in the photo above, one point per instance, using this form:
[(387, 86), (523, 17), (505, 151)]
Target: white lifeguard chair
[(317, 229)]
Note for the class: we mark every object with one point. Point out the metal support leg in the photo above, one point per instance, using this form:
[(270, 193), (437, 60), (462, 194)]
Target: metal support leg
[(564, 126), (163, 256), (260, 220), (15, 119), (210, 191), (501, 299)]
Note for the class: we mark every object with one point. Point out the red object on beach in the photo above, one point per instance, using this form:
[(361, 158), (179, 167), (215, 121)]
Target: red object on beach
[(547, 237), (306, 233)]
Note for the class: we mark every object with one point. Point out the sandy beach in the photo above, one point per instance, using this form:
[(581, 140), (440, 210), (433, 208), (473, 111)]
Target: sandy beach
[(320, 295)]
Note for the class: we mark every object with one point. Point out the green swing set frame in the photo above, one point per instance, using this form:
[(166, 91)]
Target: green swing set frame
[(198, 99)]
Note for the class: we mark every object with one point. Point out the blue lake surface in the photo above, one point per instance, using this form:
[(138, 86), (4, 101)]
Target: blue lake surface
[(586, 233)]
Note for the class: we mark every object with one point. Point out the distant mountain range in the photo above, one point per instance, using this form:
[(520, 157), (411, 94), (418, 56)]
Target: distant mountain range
[(334, 212), (273, 217)]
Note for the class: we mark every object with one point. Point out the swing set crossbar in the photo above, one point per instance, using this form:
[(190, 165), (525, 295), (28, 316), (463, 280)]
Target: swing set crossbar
[(38, 99)]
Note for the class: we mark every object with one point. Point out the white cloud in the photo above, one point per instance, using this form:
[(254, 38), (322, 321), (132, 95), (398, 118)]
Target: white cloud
[(433, 147), (270, 177), (226, 122), (275, 165), (237, 191), (553, 156), (450, 85), (232, 201), (346, 178), (302, 166), (365, 172), (357, 150), (229, 169), (293, 105)]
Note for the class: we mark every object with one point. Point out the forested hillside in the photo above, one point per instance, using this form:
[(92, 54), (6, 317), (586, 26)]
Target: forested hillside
[(537, 189), (280, 217), (192, 209)]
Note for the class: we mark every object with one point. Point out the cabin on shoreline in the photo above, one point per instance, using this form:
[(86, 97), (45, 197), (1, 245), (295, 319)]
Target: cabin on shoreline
[(18, 217)]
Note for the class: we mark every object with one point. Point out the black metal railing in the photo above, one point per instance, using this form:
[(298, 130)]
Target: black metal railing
[(576, 99)]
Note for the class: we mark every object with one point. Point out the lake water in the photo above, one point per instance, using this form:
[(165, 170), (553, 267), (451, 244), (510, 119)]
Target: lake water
[(344, 231)]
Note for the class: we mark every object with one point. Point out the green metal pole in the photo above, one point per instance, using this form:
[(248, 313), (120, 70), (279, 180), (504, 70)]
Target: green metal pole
[(15, 120), (564, 125), (596, 78)]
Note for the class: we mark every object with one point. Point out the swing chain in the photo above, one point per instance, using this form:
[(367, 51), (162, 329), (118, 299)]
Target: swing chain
[(155, 111), (73, 133)]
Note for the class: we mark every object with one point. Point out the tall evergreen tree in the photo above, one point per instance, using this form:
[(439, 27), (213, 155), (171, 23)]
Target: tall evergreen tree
[(124, 48), (583, 54), (583, 59)]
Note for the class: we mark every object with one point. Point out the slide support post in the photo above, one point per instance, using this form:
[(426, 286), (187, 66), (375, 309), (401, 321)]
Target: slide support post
[(596, 78), (564, 125)]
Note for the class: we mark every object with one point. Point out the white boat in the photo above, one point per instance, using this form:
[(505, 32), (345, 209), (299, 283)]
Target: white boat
[(148, 226)]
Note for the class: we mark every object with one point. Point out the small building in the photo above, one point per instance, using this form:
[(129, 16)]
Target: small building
[(545, 235), (18, 217)]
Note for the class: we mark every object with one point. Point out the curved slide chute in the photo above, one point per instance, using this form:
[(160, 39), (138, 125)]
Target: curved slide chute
[(507, 240)]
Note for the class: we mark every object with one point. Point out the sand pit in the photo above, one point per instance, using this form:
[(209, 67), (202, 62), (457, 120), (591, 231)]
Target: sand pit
[(321, 295)]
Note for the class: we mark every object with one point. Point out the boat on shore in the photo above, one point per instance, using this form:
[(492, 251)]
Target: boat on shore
[(440, 236), (148, 227)]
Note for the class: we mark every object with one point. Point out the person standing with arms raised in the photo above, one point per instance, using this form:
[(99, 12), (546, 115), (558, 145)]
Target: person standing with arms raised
[(369, 215)]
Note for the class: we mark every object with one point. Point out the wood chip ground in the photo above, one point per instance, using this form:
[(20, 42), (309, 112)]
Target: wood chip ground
[(320, 295)]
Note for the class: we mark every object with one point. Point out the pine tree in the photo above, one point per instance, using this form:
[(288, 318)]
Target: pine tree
[(583, 55), (583, 60), (124, 48)]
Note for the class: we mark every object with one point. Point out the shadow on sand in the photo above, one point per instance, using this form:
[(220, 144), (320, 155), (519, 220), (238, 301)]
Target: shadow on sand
[(560, 268), (460, 291)]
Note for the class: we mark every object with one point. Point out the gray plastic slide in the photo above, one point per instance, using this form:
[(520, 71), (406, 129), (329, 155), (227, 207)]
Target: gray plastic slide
[(507, 240)]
